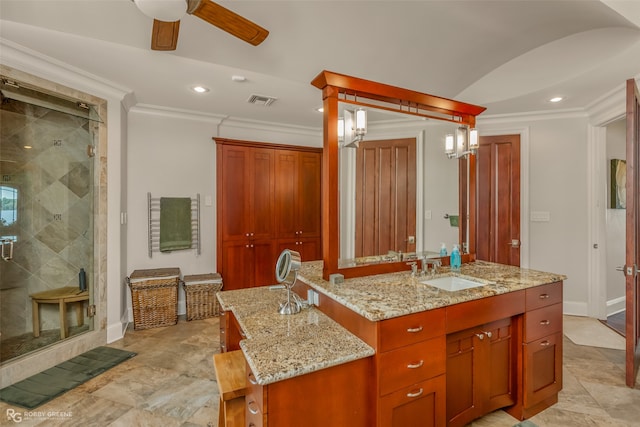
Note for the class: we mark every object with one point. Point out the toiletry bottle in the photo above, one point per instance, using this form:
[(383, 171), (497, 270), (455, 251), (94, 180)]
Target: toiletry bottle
[(82, 280), (455, 258), (443, 249)]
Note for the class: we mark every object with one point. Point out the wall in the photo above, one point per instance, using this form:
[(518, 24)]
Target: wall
[(172, 154), (554, 175)]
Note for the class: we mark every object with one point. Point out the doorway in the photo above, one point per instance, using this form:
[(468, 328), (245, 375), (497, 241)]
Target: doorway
[(615, 224), (47, 218), (498, 206), (385, 197)]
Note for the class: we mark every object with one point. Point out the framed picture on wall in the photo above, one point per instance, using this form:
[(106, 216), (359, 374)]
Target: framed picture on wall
[(618, 189)]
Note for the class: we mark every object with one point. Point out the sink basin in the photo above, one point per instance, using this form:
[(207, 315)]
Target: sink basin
[(453, 283)]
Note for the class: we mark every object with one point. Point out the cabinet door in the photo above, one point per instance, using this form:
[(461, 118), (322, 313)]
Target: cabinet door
[(287, 193), (309, 249), (542, 369), (463, 373), (419, 405), (235, 192), (309, 194), (499, 365), (237, 267), (262, 210), (264, 262)]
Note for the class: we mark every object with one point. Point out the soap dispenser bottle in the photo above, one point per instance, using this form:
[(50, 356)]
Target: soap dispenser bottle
[(455, 258), (443, 249)]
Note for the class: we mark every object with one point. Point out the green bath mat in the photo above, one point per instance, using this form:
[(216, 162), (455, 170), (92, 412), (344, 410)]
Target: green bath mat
[(41, 388), (525, 423)]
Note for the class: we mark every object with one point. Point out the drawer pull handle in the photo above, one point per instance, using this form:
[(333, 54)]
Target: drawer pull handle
[(252, 379), (252, 425), (488, 334), (545, 322), (416, 394), (544, 296), (545, 343), (414, 330), (415, 365), (253, 408), (480, 336)]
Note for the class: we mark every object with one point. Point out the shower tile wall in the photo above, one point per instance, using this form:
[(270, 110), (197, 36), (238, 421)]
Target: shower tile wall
[(54, 225)]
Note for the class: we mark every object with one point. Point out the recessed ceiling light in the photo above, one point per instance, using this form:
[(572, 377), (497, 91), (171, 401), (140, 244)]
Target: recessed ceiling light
[(239, 78), (556, 99), (28, 147), (200, 89)]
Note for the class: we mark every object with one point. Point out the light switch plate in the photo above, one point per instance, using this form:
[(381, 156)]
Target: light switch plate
[(540, 216)]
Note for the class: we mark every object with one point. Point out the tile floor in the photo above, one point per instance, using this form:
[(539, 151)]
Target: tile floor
[(171, 383)]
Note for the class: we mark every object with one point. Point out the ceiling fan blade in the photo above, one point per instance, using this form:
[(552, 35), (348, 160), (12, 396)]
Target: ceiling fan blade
[(164, 35), (228, 21)]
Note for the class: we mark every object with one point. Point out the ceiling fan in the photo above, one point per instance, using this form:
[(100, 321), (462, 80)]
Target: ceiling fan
[(166, 16)]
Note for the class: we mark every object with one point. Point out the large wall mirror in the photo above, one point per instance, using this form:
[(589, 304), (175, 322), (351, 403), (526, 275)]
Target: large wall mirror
[(398, 192), (394, 194)]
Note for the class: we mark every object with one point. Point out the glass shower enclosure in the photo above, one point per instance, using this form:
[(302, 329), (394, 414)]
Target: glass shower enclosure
[(46, 218)]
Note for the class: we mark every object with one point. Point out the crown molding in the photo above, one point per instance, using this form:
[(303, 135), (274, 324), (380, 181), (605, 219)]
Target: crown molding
[(531, 116), (27, 60)]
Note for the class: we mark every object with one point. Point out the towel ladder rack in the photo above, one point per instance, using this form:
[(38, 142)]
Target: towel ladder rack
[(153, 210)]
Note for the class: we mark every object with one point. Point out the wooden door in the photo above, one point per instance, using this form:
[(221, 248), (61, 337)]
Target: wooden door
[(632, 260), (498, 208), (385, 196)]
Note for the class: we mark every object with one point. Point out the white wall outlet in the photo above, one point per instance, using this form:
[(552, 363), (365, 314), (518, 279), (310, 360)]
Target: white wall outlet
[(427, 214)]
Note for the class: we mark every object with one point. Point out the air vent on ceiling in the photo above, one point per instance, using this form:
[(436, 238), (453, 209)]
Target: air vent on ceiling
[(261, 100)]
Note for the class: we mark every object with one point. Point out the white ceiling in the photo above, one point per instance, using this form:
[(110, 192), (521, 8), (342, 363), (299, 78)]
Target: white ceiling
[(508, 55)]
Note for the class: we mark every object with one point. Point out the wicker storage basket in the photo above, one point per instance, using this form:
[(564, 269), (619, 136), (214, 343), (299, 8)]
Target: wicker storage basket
[(154, 296), (200, 295)]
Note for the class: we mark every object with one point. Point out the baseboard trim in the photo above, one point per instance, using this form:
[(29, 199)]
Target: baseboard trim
[(616, 305), (574, 308)]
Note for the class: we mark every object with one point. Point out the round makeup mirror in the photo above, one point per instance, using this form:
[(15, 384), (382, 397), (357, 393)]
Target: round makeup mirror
[(287, 268)]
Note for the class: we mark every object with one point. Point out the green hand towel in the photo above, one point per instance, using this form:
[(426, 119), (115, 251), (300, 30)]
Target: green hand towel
[(175, 223)]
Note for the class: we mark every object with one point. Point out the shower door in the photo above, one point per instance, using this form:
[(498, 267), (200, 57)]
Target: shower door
[(46, 223)]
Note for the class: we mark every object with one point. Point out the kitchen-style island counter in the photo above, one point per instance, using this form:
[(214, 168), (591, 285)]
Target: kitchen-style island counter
[(413, 354)]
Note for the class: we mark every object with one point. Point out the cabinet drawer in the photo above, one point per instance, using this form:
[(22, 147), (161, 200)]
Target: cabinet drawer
[(422, 404), (542, 296), (408, 365), (542, 322), (410, 329)]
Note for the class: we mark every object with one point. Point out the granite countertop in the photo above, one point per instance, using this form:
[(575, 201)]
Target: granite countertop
[(280, 346), (391, 295)]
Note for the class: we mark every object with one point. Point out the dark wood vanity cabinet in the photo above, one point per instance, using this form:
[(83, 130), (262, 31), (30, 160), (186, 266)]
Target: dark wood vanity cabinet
[(410, 370), (542, 348), (268, 199)]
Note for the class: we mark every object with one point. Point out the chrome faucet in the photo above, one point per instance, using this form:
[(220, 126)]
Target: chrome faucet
[(435, 262), (414, 268)]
